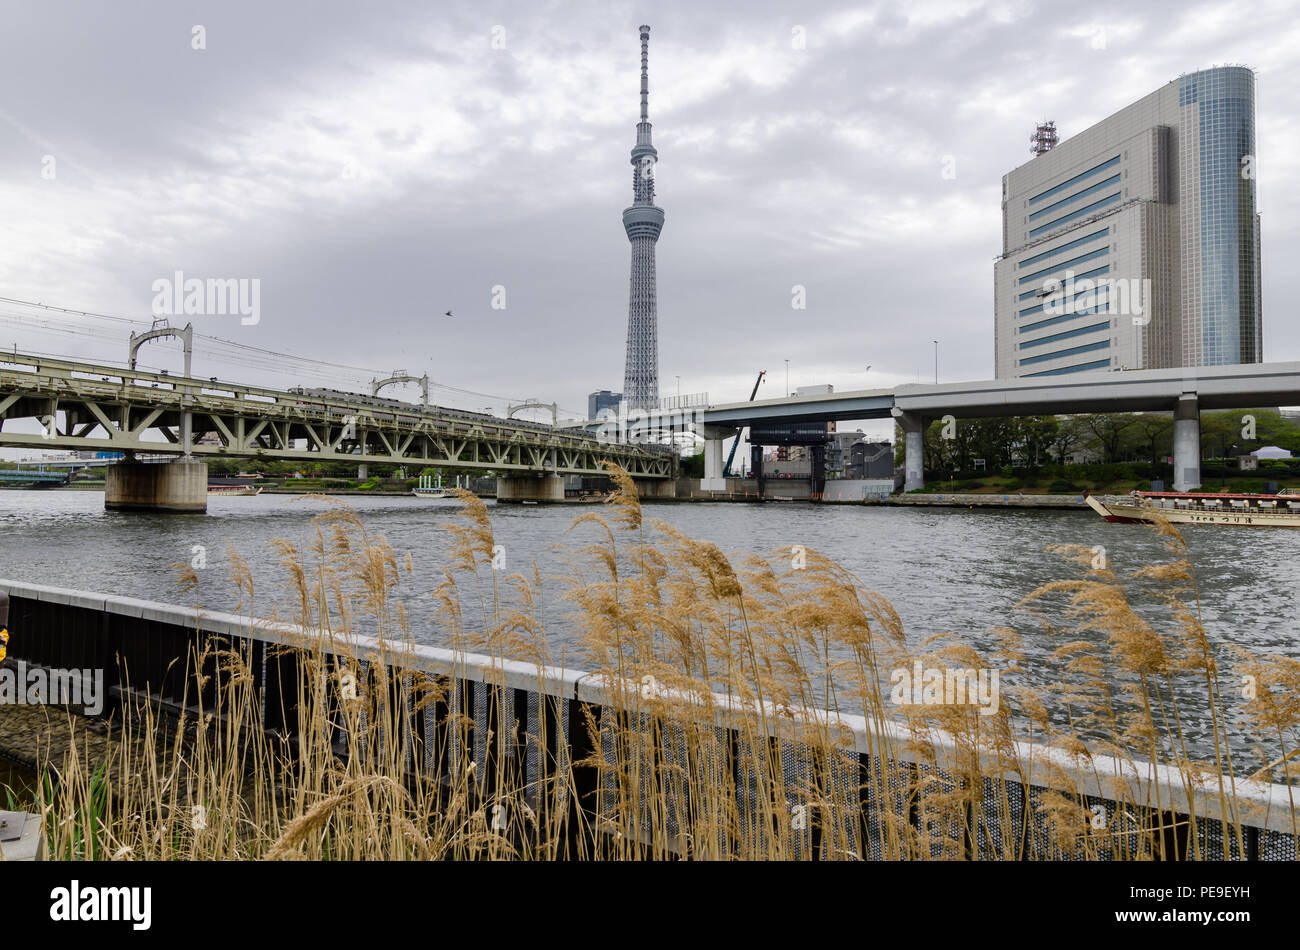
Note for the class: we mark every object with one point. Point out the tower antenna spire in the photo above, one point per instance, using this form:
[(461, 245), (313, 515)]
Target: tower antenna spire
[(645, 73)]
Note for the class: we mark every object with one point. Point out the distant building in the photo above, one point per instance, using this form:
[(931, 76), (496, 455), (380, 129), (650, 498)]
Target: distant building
[(852, 455), (837, 451), (871, 460), (602, 400), (1135, 243)]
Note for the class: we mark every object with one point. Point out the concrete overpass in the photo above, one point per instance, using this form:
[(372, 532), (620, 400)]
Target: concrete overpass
[(1184, 391), (828, 407)]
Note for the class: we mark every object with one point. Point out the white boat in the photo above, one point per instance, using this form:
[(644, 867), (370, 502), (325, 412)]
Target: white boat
[(1277, 511), (428, 489), (234, 489)]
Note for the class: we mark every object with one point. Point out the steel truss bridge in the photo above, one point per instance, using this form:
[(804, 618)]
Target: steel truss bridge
[(107, 408)]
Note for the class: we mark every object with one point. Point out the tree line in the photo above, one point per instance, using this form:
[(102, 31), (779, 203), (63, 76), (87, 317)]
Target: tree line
[(1031, 442)]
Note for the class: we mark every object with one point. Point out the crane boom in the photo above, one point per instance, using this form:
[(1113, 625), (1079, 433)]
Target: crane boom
[(731, 457)]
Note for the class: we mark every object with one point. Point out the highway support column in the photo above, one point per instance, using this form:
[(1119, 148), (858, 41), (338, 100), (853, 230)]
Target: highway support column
[(913, 427), (714, 436), (1187, 443)]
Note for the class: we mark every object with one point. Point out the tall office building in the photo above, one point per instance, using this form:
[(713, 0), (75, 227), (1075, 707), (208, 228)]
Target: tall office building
[(598, 402), (1135, 244), (643, 222)]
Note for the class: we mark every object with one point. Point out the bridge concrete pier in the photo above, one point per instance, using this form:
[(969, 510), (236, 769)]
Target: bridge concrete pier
[(656, 487), (546, 489), (178, 486), (714, 436), (913, 427), (1187, 443)]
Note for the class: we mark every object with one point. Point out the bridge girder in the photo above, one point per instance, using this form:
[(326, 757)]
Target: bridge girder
[(117, 411)]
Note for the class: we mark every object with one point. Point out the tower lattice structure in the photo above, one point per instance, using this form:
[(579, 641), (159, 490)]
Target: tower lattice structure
[(643, 222)]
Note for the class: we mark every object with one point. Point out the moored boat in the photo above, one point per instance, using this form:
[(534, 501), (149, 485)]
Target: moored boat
[(1280, 511), (429, 489), (234, 489)]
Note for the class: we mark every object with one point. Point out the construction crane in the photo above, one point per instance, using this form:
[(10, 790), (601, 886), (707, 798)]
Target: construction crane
[(726, 469)]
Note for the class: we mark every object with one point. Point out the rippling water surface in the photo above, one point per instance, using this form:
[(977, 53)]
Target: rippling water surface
[(944, 570)]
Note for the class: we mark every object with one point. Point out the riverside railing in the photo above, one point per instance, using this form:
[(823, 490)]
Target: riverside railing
[(534, 721)]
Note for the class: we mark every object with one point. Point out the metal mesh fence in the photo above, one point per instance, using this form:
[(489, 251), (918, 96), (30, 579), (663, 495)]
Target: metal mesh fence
[(666, 777)]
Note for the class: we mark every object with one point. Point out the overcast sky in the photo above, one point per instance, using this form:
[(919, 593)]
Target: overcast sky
[(377, 164)]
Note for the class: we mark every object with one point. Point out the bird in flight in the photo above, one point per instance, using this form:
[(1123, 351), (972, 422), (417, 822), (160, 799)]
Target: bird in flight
[(449, 313)]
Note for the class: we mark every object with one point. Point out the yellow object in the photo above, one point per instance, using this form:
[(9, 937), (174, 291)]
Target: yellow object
[(4, 642)]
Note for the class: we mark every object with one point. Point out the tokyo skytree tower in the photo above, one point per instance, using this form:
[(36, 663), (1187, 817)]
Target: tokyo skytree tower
[(643, 222)]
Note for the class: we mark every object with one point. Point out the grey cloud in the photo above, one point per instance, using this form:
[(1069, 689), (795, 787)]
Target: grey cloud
[(818, 167)]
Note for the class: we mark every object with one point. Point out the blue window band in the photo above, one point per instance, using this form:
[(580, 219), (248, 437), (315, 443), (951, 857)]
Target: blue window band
[(1086, 209), (1071, 351), (1064, 265), (1095, 272), (1056, 206), (1063, 318), (1076, 368), (1064, 247), (1065, 335), (1075, 305), (1096, 169)]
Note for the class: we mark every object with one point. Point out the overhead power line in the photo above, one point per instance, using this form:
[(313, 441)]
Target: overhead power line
[(228, 352)]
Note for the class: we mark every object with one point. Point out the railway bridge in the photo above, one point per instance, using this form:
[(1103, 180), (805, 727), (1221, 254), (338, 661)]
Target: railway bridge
[(87, 406)]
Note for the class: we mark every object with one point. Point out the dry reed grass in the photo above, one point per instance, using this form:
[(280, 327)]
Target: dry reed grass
[(678, 631)]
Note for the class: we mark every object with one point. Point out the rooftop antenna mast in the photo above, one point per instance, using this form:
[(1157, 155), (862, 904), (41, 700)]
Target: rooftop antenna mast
[(1044, 138)]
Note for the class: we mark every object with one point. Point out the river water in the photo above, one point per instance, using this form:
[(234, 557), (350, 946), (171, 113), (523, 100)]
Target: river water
[(944, 570)]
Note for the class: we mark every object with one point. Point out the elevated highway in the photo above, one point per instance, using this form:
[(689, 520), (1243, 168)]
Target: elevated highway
[(1184, 391)]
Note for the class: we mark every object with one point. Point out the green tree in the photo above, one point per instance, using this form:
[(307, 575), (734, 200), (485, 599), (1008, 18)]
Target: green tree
[(1153, 433), (1035, 436), (1103, 432), (693, 465), (1069, 436), (1220, 431)]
